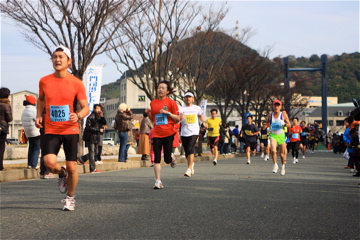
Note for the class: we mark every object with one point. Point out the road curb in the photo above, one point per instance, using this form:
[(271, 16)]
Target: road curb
[(108, 165)]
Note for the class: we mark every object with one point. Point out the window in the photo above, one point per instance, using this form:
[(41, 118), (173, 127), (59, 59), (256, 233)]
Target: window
[(340, 123), (232, 123), (318, 122), (331, 123), (306, 113), (340, 113), (141, 98)]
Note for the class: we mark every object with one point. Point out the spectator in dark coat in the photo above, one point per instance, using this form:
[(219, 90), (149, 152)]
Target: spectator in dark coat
[(5, 118)]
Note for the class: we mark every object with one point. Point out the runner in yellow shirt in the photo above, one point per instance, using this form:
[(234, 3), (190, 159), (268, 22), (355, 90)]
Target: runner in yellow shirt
[(214, 133)]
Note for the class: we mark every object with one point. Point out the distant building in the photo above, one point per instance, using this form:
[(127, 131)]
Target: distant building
[(336, 115), (312, 101)]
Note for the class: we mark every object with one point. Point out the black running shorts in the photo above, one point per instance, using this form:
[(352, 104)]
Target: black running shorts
[(52, 144)]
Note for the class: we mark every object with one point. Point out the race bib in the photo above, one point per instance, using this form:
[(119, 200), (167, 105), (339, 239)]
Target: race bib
[(161, 119), (190, 118), (248, 132), (264, 136), (295, 136), (276, 126), (303, 134), (59, 113)]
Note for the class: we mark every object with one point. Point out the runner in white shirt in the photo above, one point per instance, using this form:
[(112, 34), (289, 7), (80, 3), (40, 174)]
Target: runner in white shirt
[(190, 127)]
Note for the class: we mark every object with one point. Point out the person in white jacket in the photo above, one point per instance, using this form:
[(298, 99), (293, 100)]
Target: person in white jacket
[(28, 118)]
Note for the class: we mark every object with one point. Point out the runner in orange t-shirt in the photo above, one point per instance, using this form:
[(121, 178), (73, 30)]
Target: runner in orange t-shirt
[(295, 132), (56, 96), (164, 113)]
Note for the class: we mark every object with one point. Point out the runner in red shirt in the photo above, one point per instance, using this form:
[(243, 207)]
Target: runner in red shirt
[(164, 113), (294, 133), (56, 96)]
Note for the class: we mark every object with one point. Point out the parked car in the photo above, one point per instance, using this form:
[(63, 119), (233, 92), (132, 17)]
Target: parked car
[(14, 141), (108, 141)]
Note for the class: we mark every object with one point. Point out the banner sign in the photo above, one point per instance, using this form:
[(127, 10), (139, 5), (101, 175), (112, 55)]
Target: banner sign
[(92, 81), (203, 106)]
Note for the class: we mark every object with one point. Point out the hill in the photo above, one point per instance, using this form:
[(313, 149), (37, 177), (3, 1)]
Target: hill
[(343, 76)]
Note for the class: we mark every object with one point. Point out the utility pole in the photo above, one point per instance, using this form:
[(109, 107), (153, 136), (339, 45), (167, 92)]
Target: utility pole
[(323, 70)]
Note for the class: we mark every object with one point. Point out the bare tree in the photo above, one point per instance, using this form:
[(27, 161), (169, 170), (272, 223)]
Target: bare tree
[(86, 27), (222, 91), (254, 75), (148, 44)]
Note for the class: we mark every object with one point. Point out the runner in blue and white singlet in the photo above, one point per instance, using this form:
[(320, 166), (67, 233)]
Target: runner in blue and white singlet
[(276, 121)]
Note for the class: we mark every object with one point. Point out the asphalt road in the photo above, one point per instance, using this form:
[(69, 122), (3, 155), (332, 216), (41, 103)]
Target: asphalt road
[(316, 199)]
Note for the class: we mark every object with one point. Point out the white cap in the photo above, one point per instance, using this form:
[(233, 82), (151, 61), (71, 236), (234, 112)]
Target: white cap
[(64, 49), (189, 94)]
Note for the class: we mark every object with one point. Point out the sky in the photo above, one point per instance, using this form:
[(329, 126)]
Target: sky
[(299, 28)]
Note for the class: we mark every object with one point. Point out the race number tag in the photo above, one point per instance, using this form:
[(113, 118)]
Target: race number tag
[(276, 126), (248, 132), (190, 118), (264, 136), (295, 135), (59, 113), (303, 134), (161, 119)]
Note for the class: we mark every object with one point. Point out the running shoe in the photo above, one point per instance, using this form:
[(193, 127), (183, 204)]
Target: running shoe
[(215, 162), (62, 182), (98, 162), (151, 165), (69, 203), (282, 172), (275, 168), (47, 176), (262, 155), (266, 158), (294, 161), (303, 157), (248, 161), (95, 171), (80, 161), (36, 167), (193, 169), (158, 184), (173, 162), (188, 173)]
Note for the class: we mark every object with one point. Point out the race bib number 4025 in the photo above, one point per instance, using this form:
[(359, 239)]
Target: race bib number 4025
[(59, 113)]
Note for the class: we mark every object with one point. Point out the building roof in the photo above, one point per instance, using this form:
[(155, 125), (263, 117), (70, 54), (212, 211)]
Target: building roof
[(333, 111), (348, 104)]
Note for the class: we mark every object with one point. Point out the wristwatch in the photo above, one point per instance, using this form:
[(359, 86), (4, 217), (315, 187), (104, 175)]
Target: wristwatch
[(79, 117)]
